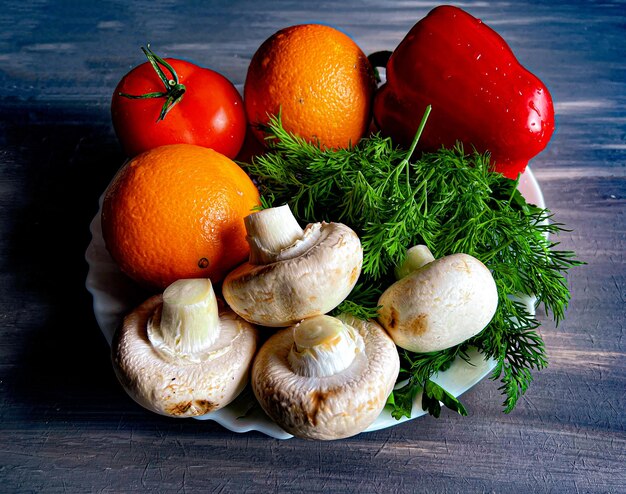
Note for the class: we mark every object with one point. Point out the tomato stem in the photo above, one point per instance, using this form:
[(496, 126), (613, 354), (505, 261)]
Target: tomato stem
[(174, 90)]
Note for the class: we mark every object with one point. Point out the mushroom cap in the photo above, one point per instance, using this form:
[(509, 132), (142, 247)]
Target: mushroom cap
[(289, 290), (440, 305), (331, 407), (182, 387)]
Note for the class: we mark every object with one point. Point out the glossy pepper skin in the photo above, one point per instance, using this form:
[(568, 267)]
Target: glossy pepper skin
[(480, 94)]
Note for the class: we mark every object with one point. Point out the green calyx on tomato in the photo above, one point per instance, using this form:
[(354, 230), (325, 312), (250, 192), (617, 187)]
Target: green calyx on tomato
[(174, 90)]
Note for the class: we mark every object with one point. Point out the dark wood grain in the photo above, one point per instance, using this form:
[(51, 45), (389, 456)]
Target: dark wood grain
[(65, 423)]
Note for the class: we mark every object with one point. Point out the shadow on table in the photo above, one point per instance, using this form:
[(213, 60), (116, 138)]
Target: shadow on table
[(60, 159)]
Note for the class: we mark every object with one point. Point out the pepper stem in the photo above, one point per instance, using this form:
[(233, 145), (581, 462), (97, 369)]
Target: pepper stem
[(174, 90), (189, 319), (270, 231)]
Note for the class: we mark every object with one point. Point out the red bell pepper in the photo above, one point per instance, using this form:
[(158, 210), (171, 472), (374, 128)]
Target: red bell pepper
[(480, 94)]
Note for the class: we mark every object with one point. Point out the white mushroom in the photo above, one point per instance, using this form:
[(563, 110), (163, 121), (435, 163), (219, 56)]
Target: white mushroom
[(292, 273), (178, 354), (326, 377), (437, 303)]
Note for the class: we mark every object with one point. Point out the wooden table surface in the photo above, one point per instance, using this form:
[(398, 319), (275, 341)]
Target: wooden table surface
[(65, 423)]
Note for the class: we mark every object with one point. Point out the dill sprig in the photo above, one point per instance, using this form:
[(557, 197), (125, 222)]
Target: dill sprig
[(448, 200)]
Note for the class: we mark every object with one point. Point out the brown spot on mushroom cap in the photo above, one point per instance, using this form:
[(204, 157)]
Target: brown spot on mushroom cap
[(354, 275), (190, 408), (318, 403), (418, 324), (178, 409), (311, 415), (393, 318)]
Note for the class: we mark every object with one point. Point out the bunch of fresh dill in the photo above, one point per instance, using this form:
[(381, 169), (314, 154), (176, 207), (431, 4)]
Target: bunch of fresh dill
[(451, 202)]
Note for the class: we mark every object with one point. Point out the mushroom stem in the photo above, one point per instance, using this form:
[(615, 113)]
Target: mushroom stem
[(188, 322), (269, 232), (323, 346), (416, 257)]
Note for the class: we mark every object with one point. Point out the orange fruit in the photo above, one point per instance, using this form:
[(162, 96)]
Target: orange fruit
[(177, 212), (318, 79)]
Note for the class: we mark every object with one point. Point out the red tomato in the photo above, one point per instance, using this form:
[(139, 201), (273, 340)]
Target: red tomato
[(184, 103)]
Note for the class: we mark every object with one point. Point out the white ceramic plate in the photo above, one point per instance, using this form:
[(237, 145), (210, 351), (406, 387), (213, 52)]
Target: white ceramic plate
[(114, 295)]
